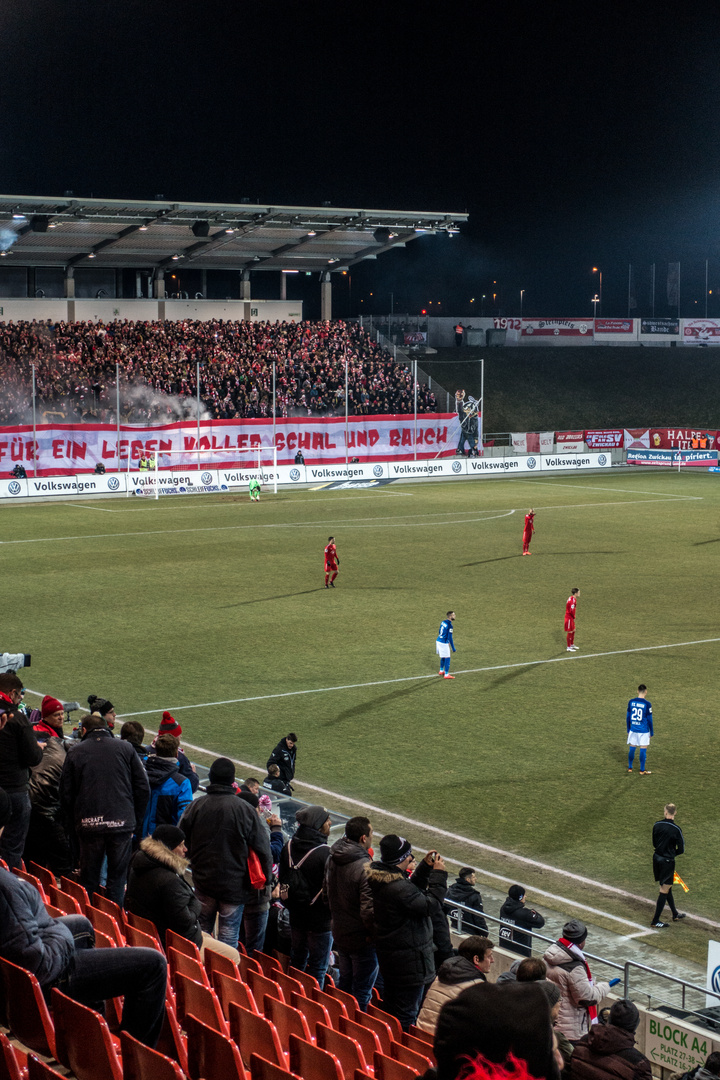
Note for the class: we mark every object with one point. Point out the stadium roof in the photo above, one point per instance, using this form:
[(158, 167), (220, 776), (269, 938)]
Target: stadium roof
[(70, 232)]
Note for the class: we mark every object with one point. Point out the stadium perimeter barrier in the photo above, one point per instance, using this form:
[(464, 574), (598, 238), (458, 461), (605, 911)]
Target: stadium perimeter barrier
[(667, 1022), (214, 480)]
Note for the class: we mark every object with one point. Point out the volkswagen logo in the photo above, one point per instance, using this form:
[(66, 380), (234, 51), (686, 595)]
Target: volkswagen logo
[(206, 477), (602, 460), (294, 474), (532, 463), (14, 488), (456, 467), (113, 483), (378, 470), (715, 980)]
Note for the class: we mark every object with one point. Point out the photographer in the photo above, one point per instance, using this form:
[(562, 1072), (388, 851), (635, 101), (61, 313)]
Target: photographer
[(19, 751)]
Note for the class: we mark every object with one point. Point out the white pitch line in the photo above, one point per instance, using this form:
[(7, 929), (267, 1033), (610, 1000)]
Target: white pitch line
[(100, 509), (538, 481), (461, 839), (349, 523), (419, 678)]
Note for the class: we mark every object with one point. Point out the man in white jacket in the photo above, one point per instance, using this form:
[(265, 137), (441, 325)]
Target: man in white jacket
[(568, 969)]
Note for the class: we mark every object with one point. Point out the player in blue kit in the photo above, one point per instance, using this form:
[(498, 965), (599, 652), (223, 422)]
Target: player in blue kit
[(444, 643), (639, 727)]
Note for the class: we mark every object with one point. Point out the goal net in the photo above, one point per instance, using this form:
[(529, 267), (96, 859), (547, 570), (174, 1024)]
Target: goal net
[(197, 472)]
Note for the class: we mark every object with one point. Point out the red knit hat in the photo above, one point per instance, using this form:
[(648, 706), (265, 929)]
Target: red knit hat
[(50, 705), (169, 726)]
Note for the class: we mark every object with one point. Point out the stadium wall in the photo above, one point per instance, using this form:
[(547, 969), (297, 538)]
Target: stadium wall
[(82, 310)]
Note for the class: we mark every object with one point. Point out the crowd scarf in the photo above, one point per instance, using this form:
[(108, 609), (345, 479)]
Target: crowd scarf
[(572, 948), (41, 728)]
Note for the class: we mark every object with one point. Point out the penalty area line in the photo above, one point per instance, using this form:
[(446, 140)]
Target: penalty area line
[(419, 678)]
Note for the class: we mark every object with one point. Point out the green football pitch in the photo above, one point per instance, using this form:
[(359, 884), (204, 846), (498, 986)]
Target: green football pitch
[(215, 608)]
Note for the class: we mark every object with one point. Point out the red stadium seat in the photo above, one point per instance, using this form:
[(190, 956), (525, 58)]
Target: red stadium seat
[(288, 1021), (141, 1063), (347, 1051), (110, 908), (335, 1007), (288, 985), (309, 982), (180, 962), (67, 903), (27, 1013), (46, 876), (138, 939), (420, 1046), (76, 890), (418, 1062), (145, 925), (380, 1028), (215, 961), (313, 1011), (11, 1062), (107, 924), (40, 1070), (261, 985), (211, 1054), (201, 1001), (312, 1063), (182, 944), (368, 1040), (388, 1068), (260, 1069), (350, 1003), (423, 1036), (268, 964), (392, 1021), (83, 1041), (172, 1042), (229, 990), (255, 1035)]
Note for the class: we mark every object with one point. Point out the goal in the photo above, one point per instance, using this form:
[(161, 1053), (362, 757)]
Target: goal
[(188, 472)]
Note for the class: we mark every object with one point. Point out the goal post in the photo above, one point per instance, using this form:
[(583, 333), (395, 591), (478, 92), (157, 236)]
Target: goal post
[(258, 460)]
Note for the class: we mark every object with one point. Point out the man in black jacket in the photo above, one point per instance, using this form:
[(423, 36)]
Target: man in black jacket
[(302, 872), (608, 1051), (104, 791), (463, 892), (403, 927), (220, 829), (284, 756), (47, 840), (351, 909), (19, 751), (668, 842), (516, 914)]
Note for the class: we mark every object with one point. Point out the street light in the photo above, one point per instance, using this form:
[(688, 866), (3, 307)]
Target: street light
[(597, 270), (595, 301), (522, 293)]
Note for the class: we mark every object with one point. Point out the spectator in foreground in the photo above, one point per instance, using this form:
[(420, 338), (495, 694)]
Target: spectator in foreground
[(220, 829), (19, 752), (494, 1022), (608, 1051), (351, 910), (568, 968), (473, 961), (403, 927), (709, 1071), (516, 914), (284, 756), (104, 791), (463, 891), (60, 952), (170, 793), (302, 872), (47, 841), (158, 890)]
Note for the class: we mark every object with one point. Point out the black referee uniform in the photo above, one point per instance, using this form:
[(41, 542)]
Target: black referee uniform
[(668, 842)]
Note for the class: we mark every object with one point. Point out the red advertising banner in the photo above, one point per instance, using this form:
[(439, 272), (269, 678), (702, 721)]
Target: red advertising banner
[(697, 331), (75, 448), (637, 438), (682, 439), (614, 326), (557, 328), (570, 441), (604, 439)]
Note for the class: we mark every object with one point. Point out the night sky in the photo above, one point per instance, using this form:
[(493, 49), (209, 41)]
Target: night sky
[(575, 135)]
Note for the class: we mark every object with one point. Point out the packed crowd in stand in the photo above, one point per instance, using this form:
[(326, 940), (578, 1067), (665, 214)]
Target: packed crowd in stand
[(75, 366), (354, 936)]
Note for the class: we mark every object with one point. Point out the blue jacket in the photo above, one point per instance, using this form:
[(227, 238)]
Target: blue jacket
[(29, 937), (170, 793)]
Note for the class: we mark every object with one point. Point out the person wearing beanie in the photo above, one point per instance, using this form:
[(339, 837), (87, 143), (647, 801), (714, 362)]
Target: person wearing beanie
[(19, 752), (496, 1021), (220, 829), (463, 892), (608, 1051), (568, 968), (104, 791), (402, 920), (47, 841), (170, 726), (284, 756), (302, 873), (158, 890), (61, 951), (170, 792), (473, 961), (515, 914), (104, 708)]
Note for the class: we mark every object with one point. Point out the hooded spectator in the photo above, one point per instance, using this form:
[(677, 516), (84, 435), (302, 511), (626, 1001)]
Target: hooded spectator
[(170, 792), (608, 1051)]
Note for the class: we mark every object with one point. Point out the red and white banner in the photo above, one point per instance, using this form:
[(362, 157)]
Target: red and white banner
[(519, 442), (682, 439), (570, 442), (701, 332), (557, 328), (604, 439), (75, 448), (614, 326), (547, 440), (637, 438)]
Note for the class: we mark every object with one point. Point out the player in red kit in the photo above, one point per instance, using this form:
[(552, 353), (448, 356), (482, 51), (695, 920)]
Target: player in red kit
[(332, 563), (528, 530), (570, 619)]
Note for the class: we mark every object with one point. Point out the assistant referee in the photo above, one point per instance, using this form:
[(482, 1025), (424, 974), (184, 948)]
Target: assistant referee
[(668, 842)]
